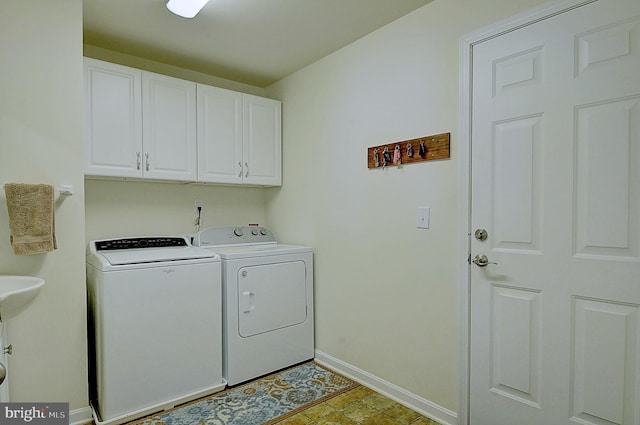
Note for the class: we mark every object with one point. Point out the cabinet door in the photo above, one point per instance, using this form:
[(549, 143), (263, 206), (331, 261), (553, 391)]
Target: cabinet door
[(169, 127), (219, 135), (112, 121), (4, 386), (262, 141)]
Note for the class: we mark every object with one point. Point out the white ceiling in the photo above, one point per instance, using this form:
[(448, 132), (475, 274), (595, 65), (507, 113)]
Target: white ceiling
[(256, 42)]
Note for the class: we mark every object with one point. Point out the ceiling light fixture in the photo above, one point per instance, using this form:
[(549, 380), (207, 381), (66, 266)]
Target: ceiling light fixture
[(186, 8)]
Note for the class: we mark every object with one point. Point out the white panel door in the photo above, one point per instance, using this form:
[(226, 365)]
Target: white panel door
[(169, 127), (555, 324), (219, 135)]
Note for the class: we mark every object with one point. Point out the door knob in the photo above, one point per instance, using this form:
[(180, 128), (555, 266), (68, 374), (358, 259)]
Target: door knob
[(481, 260), (481, 235)]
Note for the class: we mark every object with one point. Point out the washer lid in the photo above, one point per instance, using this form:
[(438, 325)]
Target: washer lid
[(155, 255)]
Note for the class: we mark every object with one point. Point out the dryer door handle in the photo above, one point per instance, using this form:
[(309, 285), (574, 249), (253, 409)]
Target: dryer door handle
[(246, 302)]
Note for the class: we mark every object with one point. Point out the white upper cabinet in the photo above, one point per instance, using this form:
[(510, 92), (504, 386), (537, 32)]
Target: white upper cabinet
[(239, 138), (145, 125), (219, 135), (121, 140), (169, 128), (113, 119), (261, 141)]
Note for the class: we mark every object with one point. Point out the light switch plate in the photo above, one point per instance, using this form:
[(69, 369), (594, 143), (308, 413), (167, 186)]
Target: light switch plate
[(423, 217)]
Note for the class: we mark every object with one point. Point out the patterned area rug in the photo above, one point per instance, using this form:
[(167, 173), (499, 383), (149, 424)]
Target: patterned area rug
[(266, 401)]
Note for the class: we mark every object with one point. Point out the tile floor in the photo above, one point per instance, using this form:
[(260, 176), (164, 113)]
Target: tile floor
[(359, 406)]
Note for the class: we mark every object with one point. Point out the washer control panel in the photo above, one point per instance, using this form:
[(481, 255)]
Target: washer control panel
[(137, 243), (234, 235)]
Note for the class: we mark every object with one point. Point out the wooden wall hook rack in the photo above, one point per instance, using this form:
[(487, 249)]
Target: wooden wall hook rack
[(434, 147)]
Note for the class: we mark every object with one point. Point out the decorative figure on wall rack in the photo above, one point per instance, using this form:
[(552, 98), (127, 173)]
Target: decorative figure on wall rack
[(386, 157), (409, 150), (423, 149), (397, 156), (376, 158)]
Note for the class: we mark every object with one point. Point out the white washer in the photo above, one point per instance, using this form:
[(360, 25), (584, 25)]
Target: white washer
[(267, 302), (155, 325)]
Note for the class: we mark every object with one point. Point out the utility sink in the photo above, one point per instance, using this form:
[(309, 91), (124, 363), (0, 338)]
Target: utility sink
[(16, 293)]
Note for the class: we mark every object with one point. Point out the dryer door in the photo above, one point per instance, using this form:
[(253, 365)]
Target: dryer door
[(271, 297)]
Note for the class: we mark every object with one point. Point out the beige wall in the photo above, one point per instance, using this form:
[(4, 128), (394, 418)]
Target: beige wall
[(41, 142), (386, 292), (128, 208)]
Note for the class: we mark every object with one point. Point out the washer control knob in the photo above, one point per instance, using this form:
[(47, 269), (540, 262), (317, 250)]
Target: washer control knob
[(237, 231), (263, 232), (254, 232)]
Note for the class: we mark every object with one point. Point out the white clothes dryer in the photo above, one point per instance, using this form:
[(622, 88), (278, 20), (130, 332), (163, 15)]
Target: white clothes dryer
[(267, 301)]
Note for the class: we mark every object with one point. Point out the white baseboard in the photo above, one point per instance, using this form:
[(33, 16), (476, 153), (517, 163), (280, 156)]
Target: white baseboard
[(402, 396), (80, 416)]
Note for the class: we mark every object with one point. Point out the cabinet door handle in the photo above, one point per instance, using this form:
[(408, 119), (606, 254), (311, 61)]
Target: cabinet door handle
[(240, 165), (146, 155), (247, 166), (137, 160)]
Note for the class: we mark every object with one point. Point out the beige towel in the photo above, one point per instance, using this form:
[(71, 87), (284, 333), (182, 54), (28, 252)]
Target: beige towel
[(31, 218)]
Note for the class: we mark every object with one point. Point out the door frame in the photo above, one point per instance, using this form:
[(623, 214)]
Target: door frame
[(467, 42)]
